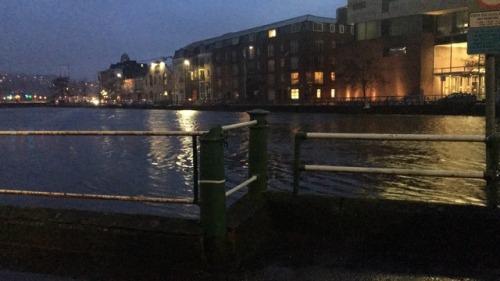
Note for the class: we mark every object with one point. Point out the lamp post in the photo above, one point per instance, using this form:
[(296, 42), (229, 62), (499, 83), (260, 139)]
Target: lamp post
[(186, 72)]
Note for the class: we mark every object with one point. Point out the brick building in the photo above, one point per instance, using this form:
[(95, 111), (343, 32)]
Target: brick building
[(288, 62)]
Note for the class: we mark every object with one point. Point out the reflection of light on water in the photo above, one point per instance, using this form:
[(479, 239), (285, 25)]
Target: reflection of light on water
[(187, 119)]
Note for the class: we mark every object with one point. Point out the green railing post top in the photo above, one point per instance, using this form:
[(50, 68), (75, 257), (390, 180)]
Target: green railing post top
[(257, 112), (214, 134)]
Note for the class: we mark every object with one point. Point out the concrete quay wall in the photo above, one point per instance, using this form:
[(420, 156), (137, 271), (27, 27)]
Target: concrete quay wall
[(274, 229)]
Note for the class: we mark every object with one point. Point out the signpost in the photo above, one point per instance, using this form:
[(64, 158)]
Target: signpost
[(489, 4), (483, 37)]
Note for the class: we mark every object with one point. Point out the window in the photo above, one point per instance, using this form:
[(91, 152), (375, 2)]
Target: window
[(332, 93), (341, 29), (235, 69), (270, 80), (294, 46), (318, 77), (392, 52), (282, 62), (235, 41), (319, 61), (251, 37), (294, 63), (251, 52), (270, 50), (332, 76), (270, 65), (295, 27), (295, 78), (318, 93), (334, 44), (294, 95), (271, 33), (359, 6), (271, 94), (317, 26), (332, 28), (202, 75), (351, 28), (319, 46)]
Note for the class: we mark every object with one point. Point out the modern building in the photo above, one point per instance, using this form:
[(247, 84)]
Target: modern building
[(410, 48), (286, 62)]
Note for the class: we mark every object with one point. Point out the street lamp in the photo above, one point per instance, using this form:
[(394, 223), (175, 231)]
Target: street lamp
[(186, 69)]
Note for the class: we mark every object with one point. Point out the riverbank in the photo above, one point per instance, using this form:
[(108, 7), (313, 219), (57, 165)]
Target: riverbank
[(411, 109), (275, 237)]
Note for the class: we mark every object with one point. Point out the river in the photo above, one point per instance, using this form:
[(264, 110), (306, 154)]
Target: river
[(162, 166)]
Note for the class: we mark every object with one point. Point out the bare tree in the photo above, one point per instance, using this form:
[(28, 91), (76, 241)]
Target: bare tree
[(361, 70)]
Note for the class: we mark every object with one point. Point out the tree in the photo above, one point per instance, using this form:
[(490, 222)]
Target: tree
[(361, 70)]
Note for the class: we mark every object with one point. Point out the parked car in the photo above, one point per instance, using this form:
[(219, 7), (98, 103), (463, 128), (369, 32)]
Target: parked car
[(458, 98)]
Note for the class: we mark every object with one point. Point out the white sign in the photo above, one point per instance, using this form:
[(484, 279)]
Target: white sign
[(489, 4), (484, 19)]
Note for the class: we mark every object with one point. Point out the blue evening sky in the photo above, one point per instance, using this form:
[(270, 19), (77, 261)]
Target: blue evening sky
[(38, 36)]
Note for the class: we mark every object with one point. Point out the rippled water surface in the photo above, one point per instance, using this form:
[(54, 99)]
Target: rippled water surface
[(162, 166)]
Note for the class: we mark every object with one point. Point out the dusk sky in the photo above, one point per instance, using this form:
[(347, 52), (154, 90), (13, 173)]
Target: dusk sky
[(40, 36)]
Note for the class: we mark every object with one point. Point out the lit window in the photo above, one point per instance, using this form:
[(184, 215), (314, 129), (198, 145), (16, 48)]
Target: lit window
[(295, 78), (318, 77), (332, 76), (294, 94), (318, 93), (272, 33), (332, 93)]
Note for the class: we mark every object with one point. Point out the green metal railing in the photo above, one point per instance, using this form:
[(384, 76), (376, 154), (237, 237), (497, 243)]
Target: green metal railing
[(491, 173), (209, 173)]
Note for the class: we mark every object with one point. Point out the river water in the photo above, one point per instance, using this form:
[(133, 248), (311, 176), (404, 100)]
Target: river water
[(162, 166)]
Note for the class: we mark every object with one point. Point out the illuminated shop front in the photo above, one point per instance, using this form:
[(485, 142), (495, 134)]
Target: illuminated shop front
[(457, 72)]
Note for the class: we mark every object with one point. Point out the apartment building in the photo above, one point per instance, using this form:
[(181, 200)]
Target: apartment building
[(418, 48), (286, 62)]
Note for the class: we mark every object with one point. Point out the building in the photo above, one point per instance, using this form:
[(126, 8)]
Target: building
[(287, 62), (410, 48), (156, 85), (123, 81)]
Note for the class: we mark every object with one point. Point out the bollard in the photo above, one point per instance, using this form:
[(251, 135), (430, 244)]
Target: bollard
[(257, 151), (212, 184)]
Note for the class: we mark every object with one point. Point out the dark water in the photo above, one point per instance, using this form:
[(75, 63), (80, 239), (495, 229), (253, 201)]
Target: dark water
[(162, 166)]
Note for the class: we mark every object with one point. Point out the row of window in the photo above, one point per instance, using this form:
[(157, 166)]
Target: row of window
[(295, 94)]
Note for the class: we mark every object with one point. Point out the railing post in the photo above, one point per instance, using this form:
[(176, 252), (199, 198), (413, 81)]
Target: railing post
[(257, 151), (492, 170), (299, 137), (213, 195)]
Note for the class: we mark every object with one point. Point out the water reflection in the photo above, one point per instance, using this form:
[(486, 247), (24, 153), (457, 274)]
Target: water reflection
[(163, 166)]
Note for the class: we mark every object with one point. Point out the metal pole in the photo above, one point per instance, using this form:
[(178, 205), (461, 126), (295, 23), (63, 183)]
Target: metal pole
[(257, 151), (492, 146), (195, 170)]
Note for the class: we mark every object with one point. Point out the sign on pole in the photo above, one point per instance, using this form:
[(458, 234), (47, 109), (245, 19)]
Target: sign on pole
[(483, 36), (489, 4)]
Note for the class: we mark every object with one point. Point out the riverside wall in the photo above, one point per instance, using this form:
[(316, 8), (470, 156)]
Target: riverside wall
[(276, 228)]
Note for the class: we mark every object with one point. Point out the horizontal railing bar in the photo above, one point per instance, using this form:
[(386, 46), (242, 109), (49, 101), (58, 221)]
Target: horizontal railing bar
[(239, 125), (242, 185), (97, 196), (399, 137), (103, 133), (390, 171)]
